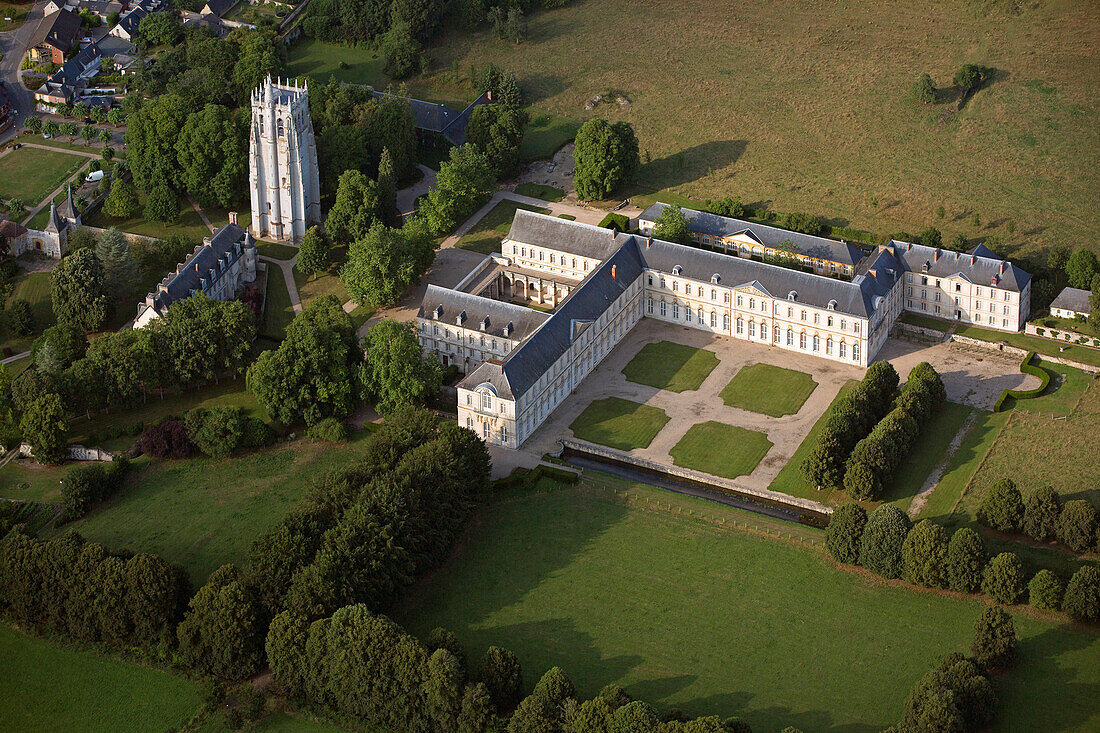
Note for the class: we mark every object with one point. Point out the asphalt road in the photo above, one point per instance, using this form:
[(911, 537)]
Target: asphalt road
[(13, 44)]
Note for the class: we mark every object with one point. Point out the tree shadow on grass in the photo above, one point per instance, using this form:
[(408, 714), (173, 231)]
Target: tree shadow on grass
[(685, 166)]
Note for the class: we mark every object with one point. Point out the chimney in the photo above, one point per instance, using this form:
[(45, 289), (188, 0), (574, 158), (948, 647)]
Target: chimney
[(649, 242), (936, 255), (485, 323), (438, 312), (614, 273), (1002, 271), (489, 95), (508, 329), (233, 217), (206, 242)]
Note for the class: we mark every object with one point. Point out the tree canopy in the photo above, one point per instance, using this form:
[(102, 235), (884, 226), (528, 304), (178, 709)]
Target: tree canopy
[(605, 155), (397, 372)]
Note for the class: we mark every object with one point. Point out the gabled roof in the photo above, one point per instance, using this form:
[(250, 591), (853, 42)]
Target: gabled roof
[(1073, 299), (58, 30), (224, 247), (132, 19), (11, 229), (976, 268), (705, 222), (982, 251), (563, 235), (218, 7), (453, 303), (434, 117)]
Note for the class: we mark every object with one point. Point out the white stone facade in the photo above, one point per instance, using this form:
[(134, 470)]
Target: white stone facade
[(282, 162)]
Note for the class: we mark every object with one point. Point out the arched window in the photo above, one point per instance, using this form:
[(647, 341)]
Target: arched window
[(776, 334), (279, 125), (802, 340), (790, 337), (725, 321), (740, 326), (752, 329), (713, 319), (829, 346), (817, 343), (675, 310), (843, 350)]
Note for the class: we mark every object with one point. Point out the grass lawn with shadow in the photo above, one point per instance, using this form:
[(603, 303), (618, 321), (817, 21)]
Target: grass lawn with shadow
[(684, 613), (31, 174), (721, 450), (931, 447), (670, 366), (276, 251), (619, 423), (486, 235), (540, 191), (768, 390), (33, 287), (278, 312)]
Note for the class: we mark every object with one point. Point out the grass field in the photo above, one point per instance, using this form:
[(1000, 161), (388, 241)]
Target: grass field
[(774, 83), (545, 134), (540, 191), (619, 423), (1063, 394), (486, 235), (278, 311), (325, 282), (769, 390), (935, 324), (1083, 354), (720, 450), (32, 173), (189, 224), (932, 447), (12, 15), (34, 287), (51, 688), (276, 251), (670, 366), (1068, 324), (685, 614), (202, 513)]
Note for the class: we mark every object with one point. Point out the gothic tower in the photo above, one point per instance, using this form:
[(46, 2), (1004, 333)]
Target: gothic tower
[(282, 162)]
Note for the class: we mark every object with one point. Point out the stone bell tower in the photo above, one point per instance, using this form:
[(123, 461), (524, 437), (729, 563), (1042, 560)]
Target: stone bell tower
[(282, 162)]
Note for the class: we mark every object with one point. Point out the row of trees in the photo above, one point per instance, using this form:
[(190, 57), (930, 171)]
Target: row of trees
[(1042, 516), (368, 667), (888, 544), (875, 458), (88, 484), (71, 129), (79, 589), (853, 416)]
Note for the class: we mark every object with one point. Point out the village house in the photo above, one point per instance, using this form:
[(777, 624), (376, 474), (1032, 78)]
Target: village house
[(55, 35)]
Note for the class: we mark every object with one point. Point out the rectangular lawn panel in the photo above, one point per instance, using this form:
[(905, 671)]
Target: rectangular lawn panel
[(51, 688), (721, 450), (540, 191), (670, 366), (486, 235), (769, 390), (685, 614), (32, 173), (619, 423)]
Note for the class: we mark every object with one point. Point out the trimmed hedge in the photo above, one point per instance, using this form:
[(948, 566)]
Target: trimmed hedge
[(615, 221), (1025, 394)]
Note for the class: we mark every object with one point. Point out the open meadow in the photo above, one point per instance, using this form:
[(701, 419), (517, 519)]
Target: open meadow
[(31, 174), (684, 613)]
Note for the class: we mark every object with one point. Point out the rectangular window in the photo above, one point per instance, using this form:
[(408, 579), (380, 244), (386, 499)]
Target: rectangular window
[(802, 340), (663, 307), (675, 310), (855, 352), (843, 349), (649, 304), (486, 401)]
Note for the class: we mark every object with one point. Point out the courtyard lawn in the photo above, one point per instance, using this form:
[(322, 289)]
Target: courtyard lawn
[(619, 423), (540, 191), (276, 251), (789, 480), (769, 390), (934, 324), (1064, 392), (33, 287), (189, 224), (1046, 347), (670, 366), (776, 82), (278, 311), (52, 688), (202, 512), (721, 450), (545, 134), (32, 173), (931, 448), (685, 614), (486, 235)]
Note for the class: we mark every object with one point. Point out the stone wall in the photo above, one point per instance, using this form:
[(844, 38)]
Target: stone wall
[(76, 453), (1014, 351), (1061, 335)]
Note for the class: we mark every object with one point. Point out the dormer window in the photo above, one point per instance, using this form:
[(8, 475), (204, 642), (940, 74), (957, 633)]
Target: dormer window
[(677, 270), (832, 305), (716, 278), (793, 295)]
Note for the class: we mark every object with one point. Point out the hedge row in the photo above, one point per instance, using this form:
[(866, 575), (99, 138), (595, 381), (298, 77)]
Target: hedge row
[(216, 432), (852, 418), (1042, 517), (888, 544), (875, 458), (1025, 394), (88, 484), (78, 588)]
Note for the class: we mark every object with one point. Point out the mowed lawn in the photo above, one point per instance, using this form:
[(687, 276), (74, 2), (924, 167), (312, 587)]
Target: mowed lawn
[(670, 366), (721, 450), (931, 449), (49, 688), (32, 173), (685, 614), (1046, 347), (619, 423), (807, 110), (203, 513), (33, 287), (278, 311), (769, 390), (189, 224), (486, 235)]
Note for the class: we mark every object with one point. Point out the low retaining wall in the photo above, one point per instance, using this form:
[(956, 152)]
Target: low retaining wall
[(1014, 351), (811, 511), (1061, 336), (76, 453), (909, 329)]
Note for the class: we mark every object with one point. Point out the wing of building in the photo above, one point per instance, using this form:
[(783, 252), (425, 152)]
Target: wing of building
[(618, 279)]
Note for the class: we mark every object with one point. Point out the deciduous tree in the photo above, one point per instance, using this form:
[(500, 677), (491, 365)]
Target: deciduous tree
[(79, 291), (397, 372), (605, 155)]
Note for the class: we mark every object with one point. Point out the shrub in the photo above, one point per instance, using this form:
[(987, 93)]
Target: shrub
[(994, 645), (615, 221), (257, 433), (965, 560), (880, 546), (1082, 599), (924, 554), (82, 487), (1045, 591), (1003, 579), (1002, 508), (842, 538), (167, 439), (21, 317), (1041, 512), (955, 696), (329, 430), (1077, 525), (924, 91), (217, 431)]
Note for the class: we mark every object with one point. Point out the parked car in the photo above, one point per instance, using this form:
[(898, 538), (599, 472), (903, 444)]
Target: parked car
[(47, 135), (95, 176)]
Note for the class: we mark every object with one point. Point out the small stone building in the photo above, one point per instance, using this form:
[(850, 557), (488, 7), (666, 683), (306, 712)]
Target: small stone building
[(1070, 303)]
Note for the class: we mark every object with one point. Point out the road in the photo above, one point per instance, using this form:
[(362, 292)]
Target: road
[(13, 44)]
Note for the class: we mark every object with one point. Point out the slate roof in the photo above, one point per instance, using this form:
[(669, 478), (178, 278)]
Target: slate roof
[(132, 19), (976, 268), (563, 235), (434, 117), (68, 209), (705, 222), (218, 7), (1073, 299), (982, 251), (524, 321), (11, 229), (226, 245), (58, 30)]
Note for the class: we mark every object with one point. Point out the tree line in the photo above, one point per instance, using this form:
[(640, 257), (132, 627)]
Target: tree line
[(1041, 517), (886, 543)]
